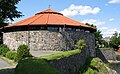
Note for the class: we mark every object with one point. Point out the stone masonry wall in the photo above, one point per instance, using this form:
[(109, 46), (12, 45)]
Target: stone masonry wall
[(49, 40), (71, 64)]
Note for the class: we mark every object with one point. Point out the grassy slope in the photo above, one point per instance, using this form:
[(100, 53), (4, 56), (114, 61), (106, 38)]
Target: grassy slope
[(40, 66), (35, 66), (60, 55)]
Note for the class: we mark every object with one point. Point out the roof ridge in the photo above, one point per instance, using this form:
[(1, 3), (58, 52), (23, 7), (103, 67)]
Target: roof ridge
[(49, 11)]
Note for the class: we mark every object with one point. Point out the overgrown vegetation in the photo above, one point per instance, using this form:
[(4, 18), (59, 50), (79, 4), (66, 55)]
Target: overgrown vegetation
[(35, 66), (11, 55), (94, 66), (81, 44), (23, 52), (115, 41), (3, 49)]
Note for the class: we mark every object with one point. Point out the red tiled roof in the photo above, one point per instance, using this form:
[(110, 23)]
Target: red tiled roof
[(48, 17)]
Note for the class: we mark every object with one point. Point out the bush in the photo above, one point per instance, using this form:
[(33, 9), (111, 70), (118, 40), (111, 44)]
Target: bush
[(81, 44), (11, 55), (3, 49), (94, 66), (23, 52)]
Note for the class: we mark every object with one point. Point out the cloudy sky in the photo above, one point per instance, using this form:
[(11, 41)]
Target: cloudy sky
[(105, 14)]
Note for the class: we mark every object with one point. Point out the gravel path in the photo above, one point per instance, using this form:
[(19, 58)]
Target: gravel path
[(4, 69), (3, 63)]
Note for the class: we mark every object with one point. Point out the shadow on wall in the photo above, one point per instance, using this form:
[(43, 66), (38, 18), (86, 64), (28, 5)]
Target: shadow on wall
[(101, 55), (106, 54)]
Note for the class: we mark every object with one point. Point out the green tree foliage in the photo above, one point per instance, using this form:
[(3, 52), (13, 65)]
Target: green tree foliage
[(91, 25), (23, 52), (81, 44), (8, 11), (115, 40), (98, 38)]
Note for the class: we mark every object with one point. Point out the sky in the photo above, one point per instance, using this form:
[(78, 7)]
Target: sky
[(105, 14)]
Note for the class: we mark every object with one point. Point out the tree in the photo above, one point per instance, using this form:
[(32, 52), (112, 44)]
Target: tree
[(115, 40), (98, 38), (91, 25), (8, 11)]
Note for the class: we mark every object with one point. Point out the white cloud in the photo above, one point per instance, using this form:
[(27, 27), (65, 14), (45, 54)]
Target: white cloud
[(111, 19), (80, 10), (101, 25), (106, 4), (103, 28), (109, 32), (93, 21), (114, 1)]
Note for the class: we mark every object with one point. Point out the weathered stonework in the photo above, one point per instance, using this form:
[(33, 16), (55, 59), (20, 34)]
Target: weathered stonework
[(49, 40), (71, 64)]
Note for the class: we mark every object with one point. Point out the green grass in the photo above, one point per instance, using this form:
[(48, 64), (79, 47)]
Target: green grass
[(40, 65), (60, 55), (117, 53), (93, 65), (35, 66)]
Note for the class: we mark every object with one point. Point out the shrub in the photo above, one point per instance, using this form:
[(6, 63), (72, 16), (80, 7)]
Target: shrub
[(11, 55), (22, 52), (94, 66), (3, 49), (81, 44)]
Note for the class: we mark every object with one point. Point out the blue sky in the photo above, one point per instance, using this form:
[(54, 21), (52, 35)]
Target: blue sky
[(105, 14)]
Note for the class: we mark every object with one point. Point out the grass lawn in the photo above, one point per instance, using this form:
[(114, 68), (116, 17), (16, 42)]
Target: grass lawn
[(35, 66), (60, 55), (40, 65)]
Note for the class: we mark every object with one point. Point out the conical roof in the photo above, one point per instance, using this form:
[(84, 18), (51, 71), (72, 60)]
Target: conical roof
[(48, 17)]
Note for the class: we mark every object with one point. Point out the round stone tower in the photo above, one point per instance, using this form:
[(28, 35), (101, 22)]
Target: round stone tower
[(48, 30)]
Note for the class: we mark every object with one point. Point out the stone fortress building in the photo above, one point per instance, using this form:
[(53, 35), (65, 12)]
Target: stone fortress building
[(49, 30)]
